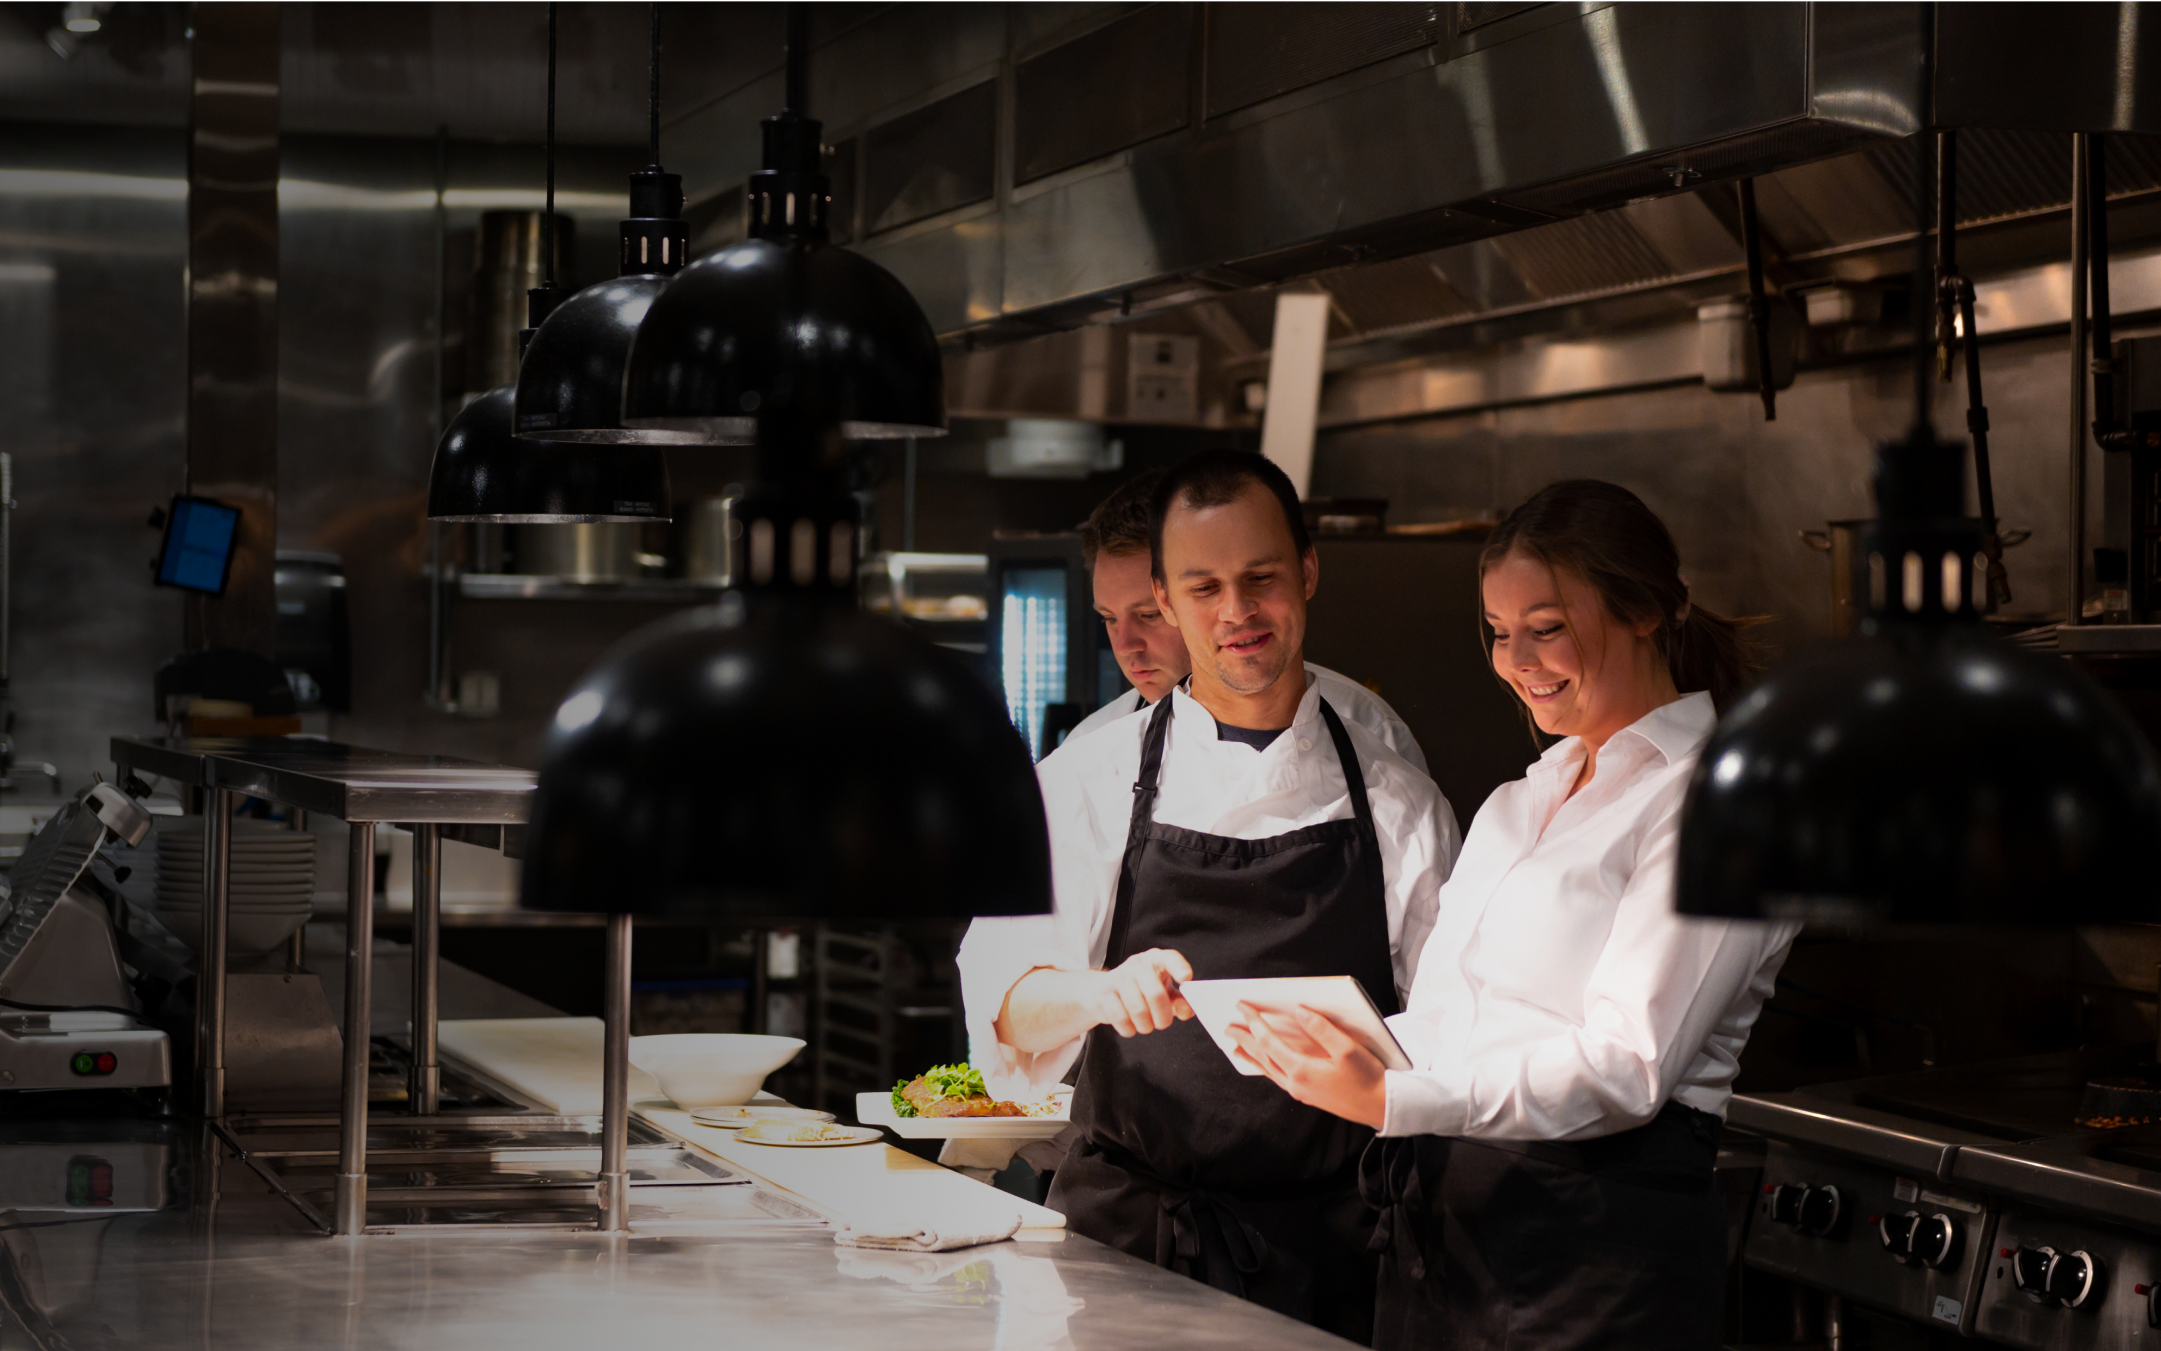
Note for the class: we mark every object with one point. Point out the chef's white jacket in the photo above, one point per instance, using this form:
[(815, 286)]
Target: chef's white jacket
[(1559, 996), (1352, 702), (1220, 787)]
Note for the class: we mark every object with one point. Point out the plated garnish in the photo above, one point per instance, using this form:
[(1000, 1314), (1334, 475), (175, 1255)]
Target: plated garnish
[(949, 1090)]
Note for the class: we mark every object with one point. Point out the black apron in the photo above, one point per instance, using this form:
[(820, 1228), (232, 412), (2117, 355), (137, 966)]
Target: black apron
[(1617, 1243), (1182, 1160)]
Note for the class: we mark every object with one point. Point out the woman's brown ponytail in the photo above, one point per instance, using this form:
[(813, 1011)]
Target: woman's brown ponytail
[(1604, 534)]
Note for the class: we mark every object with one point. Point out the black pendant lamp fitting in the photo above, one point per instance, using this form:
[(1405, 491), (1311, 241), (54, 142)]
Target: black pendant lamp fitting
[(1924, 771), (570, 384), (782, 756), (484, 471), (786, 320)]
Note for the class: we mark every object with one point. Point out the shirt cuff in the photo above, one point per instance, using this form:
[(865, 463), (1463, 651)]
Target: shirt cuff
[(1420, 1104), (991, 963)]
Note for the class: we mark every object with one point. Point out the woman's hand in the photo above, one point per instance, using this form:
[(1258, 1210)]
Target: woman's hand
[(1316, 1062)]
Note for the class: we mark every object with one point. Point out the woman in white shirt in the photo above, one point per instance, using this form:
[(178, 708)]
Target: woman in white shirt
[(1544, 1173)]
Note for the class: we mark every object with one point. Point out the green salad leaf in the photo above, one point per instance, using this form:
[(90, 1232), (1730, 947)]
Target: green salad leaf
[(947, 1081)]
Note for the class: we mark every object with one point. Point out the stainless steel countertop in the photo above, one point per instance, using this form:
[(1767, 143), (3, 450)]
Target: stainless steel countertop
[(329, 778), (225, 1264)]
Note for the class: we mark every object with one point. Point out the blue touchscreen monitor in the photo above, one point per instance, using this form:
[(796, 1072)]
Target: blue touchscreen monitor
[(198, 545)]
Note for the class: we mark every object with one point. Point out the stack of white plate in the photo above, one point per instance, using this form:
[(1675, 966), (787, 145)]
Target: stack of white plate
[(270, 885)]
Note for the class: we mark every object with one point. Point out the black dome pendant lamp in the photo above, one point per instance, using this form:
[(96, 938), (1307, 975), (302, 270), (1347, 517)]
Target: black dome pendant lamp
[(484, 471), (781, 755), (570, 384), (1924, 771), (785, 317)]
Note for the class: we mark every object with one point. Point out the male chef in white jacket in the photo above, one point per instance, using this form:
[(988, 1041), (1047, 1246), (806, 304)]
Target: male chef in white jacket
[(1239, 827), (1149, 650)]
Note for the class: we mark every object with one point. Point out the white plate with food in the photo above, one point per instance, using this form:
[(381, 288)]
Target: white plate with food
[(735, 1118), (807, 1134), (950, 1102)]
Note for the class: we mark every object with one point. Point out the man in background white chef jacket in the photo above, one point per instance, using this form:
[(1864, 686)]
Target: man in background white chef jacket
[(1114, 547)]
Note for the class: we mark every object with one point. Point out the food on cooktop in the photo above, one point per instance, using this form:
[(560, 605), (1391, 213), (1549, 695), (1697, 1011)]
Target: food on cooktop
[(949, 1090)]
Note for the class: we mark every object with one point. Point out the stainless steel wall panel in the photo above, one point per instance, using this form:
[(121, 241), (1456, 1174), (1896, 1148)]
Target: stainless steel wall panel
[(1257, 51), (93, 246), (1113, 87), (233, 311), (936, 159), (2088, 67)]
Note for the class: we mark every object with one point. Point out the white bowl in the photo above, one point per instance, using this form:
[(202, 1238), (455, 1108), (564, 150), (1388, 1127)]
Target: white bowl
[(712, 1069), (246, 931)]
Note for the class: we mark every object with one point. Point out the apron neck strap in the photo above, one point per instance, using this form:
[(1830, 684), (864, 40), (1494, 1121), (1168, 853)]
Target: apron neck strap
[(1144, 787), (1353, 777)]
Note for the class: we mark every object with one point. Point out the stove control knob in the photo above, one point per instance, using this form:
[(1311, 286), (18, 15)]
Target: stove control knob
[(2153, 1305), (1786, 1202), (1934, 1240), (1897, 1233), (2074, 1279), (2029, 1272), (1819, 1210)]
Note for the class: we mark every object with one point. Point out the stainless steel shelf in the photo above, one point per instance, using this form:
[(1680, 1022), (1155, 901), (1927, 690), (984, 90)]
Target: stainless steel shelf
[(329, 778), (506, 586)]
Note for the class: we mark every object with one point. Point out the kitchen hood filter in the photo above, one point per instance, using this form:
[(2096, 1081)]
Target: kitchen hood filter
[(786, 323), (1923, 771), (483, 472)]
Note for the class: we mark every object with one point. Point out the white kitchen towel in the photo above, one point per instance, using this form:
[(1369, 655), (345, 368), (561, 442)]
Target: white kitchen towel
[(953, 1227)]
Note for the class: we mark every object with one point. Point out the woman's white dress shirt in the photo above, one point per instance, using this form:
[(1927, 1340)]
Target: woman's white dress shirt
[(1222, 788), (1352, 702), (1559, 996)]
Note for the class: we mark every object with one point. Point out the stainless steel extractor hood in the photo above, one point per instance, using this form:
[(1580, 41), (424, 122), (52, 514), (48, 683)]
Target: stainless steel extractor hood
[(1172, 152)]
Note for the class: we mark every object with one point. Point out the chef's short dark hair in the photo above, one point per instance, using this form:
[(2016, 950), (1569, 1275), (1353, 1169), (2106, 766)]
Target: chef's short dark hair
[(1214, 478), (1119, 524)]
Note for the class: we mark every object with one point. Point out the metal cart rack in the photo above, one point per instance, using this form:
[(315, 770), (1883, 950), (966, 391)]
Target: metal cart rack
[(476, 802)]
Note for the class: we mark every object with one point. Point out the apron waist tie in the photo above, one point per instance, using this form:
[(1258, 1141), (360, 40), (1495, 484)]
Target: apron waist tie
[(1199, 1231), (1388, 1183)]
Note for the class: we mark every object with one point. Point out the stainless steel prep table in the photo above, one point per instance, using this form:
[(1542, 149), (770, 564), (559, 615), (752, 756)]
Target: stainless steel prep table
[(363, 788), (211, 1259)]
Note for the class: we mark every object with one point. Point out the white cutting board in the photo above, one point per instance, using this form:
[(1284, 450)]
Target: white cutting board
[(553, 1061)]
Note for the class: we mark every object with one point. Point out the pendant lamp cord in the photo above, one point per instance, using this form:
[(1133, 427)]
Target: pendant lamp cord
[(655, 97), (798, 90), (547, 218), (1924, 191)]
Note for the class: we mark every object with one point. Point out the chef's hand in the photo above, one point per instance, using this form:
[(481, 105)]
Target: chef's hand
[(1316, 1062), (1140, 994)]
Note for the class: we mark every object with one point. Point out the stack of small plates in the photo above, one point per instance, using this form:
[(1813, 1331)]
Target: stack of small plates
[(270, 885)]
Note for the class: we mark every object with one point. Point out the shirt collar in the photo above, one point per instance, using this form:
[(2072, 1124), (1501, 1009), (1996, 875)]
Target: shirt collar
[(1189, 717), (1674, 730)]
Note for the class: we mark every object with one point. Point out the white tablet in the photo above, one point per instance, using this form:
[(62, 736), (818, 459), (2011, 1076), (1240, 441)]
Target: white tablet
[(1215, 1003)]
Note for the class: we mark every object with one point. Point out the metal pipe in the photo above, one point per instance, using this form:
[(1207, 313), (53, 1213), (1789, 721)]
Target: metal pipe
[(438, 603), (614, 1191), (7, 576), (2081, 153), (352, 1198), (210, 971), (425, 1089), (1759, 308)]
